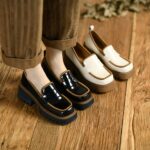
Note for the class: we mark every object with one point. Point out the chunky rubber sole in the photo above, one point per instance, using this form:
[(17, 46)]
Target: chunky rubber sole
[(29, 99), (122, 76), (96, 88)]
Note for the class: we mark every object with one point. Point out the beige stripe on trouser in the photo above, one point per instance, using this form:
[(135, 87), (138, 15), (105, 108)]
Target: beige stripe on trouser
[(21, 29)]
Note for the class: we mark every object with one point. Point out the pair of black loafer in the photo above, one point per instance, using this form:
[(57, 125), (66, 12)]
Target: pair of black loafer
[(58, 98)]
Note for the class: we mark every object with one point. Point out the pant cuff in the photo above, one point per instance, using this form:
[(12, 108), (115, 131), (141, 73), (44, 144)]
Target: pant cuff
[(23, 63), (60, 44)]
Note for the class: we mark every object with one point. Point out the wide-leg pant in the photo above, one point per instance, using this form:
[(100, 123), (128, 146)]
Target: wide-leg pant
[(26, 24)]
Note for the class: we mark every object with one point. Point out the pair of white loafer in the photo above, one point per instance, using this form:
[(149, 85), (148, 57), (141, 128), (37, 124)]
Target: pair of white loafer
[(98, 63)]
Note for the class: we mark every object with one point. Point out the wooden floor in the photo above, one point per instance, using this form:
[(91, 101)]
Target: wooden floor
[(119, 120)]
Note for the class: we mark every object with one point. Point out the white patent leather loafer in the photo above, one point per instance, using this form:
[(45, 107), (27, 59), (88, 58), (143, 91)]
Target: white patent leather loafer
[(89, 69), (121, 67)]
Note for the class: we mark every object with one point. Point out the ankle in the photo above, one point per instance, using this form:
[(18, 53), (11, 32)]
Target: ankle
[(54, 58), (37, 77)]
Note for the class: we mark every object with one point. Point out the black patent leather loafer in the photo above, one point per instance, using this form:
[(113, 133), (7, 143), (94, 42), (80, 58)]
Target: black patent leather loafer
[(76, 91), (53, 105)]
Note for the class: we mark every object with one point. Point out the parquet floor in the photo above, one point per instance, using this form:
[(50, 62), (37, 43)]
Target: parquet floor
[(118, 120)]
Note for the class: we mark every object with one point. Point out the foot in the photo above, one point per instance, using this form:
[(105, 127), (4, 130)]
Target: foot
[(37, 77), (51, 103), (54, 58), (55, 69)]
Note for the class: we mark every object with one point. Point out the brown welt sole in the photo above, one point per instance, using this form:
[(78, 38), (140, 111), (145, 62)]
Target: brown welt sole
[(122, 76), (93, 87)]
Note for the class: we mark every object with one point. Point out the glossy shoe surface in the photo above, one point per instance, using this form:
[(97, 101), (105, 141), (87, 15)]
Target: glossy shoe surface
[(53, 105), (76, 91)]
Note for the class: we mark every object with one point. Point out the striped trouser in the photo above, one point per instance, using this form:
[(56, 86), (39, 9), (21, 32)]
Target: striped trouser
[(24, 24)]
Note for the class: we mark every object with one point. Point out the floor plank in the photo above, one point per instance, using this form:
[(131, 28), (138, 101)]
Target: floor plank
[(17, 120), (136, 126)]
